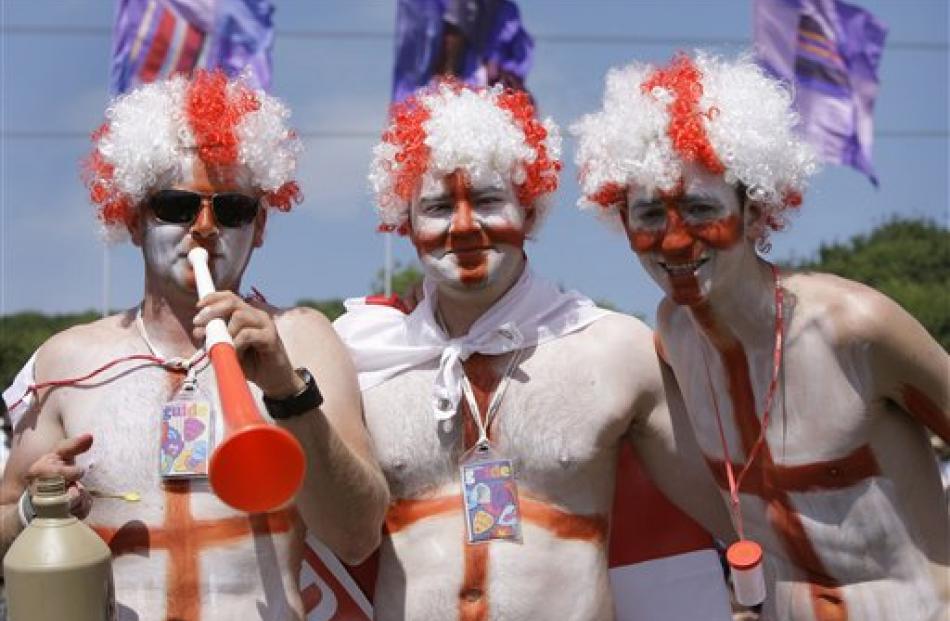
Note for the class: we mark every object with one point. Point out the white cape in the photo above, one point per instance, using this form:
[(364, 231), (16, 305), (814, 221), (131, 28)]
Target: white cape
[(385, 342)]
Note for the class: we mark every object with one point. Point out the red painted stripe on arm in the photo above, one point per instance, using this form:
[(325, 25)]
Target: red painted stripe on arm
[(926, 411)]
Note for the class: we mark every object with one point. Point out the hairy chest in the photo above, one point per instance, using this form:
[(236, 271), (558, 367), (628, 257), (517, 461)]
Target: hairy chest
[(124, 416), (557, 421)]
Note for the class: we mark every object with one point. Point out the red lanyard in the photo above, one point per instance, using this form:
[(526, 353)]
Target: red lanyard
[(736, 482)]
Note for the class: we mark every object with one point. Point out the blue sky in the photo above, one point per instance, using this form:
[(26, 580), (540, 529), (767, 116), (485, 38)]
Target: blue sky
[(54, 91)]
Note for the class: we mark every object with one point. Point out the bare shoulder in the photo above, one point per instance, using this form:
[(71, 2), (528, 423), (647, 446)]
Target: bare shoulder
[(671, 318), (310, 338), (853, 311), (83, 346), (622, 350), (621, 335), (302, 319)]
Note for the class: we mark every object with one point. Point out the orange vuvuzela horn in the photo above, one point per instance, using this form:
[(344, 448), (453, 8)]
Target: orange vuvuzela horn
[(258, 466)]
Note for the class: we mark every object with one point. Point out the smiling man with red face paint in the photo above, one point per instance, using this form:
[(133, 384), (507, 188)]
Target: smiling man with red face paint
[(183, 164), (689, 239), (808, 394), (499, 406)]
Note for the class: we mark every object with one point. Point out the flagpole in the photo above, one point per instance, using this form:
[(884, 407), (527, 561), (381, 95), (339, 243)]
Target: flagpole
[(388, 264), (105, 280)]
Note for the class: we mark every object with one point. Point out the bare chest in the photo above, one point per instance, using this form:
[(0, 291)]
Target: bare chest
[(178, 548), (819, 409), (558, 422)]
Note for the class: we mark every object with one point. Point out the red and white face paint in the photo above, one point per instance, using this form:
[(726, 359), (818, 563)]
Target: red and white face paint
[(469, 236), (165, 245), (689, 240)]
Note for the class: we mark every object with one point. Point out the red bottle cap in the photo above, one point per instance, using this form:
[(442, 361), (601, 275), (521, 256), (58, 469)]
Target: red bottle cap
[(744, 554)]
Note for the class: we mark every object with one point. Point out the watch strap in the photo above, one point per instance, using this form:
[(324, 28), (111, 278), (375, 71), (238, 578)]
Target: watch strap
[(295, 405)]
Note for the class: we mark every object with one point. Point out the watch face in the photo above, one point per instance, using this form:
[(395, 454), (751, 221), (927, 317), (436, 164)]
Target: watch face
[(304, 374), (308, 399)]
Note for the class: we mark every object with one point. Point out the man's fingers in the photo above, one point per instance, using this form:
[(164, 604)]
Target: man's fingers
[(220, 304), (80, 500), (258, 339), (51, 466), (68, 449)]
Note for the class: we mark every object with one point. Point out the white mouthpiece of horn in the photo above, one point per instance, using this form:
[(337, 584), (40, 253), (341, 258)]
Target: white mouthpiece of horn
[(217, 330), (198, 257)]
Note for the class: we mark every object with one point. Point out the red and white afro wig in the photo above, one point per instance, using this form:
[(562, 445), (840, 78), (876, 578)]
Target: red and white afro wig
[(492, 134), (152, 133), (729, 118)]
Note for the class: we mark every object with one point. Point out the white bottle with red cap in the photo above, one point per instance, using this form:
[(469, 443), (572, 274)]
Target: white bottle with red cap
[(748, 577)]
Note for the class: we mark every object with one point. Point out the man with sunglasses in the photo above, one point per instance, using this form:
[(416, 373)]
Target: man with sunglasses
[(184, 164), (809, 394)]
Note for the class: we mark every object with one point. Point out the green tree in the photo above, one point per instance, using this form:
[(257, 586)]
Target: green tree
[(22, 333), (906, 259), (404, 279), (331, 308)]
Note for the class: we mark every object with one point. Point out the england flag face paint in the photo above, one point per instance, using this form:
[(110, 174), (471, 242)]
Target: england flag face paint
[(688, 240), (468, 236)]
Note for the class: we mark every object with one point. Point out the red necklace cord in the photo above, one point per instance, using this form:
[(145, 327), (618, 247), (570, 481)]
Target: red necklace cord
[(34, 388), (178, 368), (736, 482)]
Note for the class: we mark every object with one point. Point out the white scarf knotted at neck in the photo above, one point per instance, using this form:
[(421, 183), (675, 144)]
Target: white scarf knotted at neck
[(385, 342)]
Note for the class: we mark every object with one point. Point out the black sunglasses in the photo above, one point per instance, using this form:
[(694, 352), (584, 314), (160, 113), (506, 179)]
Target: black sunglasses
[(231, 209)]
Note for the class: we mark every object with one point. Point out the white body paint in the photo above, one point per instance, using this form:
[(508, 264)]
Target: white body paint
[(491, 207), (566, 410), (884, 539), (165, 247)]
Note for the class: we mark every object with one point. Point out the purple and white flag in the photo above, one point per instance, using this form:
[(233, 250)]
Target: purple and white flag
[(497, 47), (153, 39), (830, 51)]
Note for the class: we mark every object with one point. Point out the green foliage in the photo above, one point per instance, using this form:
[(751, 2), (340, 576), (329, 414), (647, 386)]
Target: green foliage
[(404, 279), (906, 259), (22, 333), (331, 308)]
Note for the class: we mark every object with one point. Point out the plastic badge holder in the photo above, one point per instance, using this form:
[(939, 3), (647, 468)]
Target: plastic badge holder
[(187, 436), (490, 494)]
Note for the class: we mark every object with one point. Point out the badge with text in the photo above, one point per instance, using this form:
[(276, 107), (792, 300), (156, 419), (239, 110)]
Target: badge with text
[(187, 436), (490, 494)]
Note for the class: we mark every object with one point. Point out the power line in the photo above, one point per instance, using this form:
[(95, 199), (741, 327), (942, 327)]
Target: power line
[(66, 134), (361, 134), (381, 35)]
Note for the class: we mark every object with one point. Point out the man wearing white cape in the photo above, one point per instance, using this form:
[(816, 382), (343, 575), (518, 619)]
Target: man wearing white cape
[(498, 407)]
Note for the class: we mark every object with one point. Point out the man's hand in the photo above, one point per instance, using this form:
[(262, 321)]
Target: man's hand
[(61, 461), (260, 349)]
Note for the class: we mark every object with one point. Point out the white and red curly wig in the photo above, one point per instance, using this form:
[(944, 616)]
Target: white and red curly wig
[(491, 134), (728, 117), (153, 132)]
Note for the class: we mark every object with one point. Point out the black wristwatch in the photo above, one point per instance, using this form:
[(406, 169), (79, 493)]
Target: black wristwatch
[(295, 405)]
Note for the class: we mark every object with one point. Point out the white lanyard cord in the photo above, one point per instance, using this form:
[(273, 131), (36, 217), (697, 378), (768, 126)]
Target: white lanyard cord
[(484, 426), (169, 363)]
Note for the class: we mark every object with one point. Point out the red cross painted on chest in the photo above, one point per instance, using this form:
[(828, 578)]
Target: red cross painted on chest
[(403, 513), (184, 538), (773, 483)]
